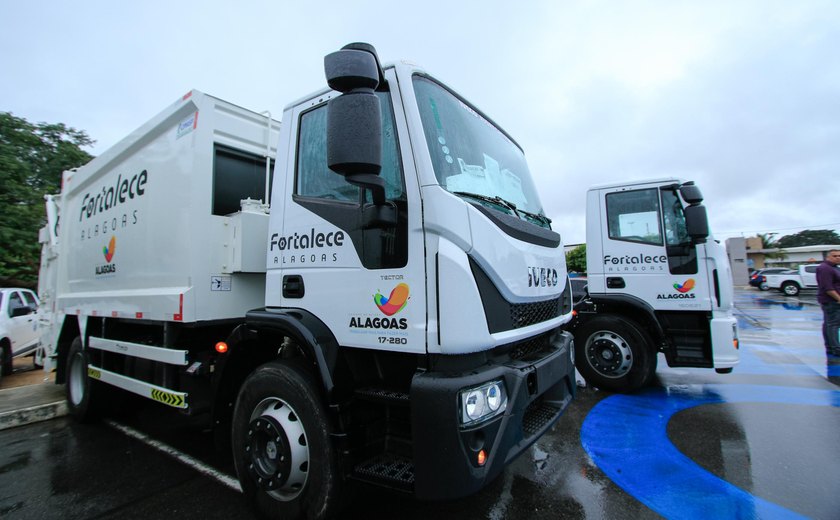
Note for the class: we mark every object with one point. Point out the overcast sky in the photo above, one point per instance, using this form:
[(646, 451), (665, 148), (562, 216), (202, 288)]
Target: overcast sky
[(741, 96)]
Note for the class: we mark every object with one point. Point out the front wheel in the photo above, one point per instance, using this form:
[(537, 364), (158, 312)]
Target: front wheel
[(614, 353), (790, 288), (282, 451)]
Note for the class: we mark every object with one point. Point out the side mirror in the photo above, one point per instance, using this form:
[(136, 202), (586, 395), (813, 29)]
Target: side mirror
[(22, 310), (691, 193), (697, 223), (354, 119)]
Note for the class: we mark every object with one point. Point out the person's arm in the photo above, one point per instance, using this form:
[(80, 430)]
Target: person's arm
[(833, 294)]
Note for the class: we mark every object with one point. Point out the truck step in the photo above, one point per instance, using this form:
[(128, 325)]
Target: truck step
[(383, 396), (537, 415), (388, 469)]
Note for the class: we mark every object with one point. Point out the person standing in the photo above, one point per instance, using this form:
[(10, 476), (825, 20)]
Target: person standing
[(828, 296)]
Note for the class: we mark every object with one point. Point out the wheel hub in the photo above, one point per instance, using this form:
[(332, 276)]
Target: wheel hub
[(609, 354), (269, 452), (277, 450)]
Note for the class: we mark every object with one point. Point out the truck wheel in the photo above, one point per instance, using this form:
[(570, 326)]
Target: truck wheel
[(614, 354), (790, 288), (284, 458), (82, 392)]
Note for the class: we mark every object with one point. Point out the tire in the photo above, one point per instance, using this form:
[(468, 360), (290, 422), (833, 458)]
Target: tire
[(6, 366), (764, 287), (2, 361), (614, 354), (790, 288), (83, 394), (285, 461)]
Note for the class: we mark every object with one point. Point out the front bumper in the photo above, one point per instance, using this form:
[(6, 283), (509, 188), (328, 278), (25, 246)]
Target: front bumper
[(725, 343), (539, 387)]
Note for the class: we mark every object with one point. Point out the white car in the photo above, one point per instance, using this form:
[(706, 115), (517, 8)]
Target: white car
[(19, 335)]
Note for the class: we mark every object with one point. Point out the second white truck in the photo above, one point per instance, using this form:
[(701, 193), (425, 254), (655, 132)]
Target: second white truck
[(657, 283)]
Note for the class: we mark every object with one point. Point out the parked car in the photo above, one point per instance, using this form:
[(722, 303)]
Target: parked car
[(791, 282), (19, 334), (758, 278)]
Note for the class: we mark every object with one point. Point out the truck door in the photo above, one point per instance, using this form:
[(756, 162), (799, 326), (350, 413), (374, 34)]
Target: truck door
[(365, 282)]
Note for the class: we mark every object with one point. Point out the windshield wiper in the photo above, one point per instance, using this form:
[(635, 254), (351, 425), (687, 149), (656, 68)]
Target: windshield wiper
[(536, 216), (492, 200), (505, 204)]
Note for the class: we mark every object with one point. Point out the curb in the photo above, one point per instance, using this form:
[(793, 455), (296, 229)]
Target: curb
[(33, 414)]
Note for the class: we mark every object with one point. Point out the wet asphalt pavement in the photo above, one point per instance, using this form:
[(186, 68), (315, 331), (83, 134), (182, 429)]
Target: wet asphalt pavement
[(762, 442)]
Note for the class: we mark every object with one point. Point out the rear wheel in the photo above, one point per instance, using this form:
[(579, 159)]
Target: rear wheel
[(83, 399), (790, 288), (2, 360), (284, 458), (614, 353)]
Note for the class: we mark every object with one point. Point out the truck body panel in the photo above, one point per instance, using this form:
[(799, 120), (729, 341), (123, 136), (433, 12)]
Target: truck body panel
[(140, 224)]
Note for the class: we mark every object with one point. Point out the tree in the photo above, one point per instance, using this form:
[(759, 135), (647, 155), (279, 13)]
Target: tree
[(810, 237), (576, 259), (32, 159), (767, 242)]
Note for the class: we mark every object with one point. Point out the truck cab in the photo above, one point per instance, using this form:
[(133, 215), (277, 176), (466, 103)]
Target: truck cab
[(657, 283)]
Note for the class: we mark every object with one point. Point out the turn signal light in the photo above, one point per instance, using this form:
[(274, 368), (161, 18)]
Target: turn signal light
[(482, 457), (221, 347)]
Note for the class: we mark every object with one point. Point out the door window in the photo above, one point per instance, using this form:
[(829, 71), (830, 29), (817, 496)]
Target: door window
[(15, 302), (633, 216), (316, 180)]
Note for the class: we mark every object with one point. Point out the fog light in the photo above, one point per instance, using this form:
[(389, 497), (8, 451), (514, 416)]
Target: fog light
[(482, 457), (482, 403)]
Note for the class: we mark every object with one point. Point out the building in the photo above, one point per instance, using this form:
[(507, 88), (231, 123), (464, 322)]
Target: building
[(747, 254)]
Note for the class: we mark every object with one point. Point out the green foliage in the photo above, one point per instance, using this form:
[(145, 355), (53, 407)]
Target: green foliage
[(32, 158), (576, 259), (767, 242), (809, 237)]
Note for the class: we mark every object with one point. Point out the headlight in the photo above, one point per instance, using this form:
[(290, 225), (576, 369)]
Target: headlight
[(484, 402)]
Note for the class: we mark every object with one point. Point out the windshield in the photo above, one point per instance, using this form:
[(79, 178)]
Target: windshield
[(472, 157)]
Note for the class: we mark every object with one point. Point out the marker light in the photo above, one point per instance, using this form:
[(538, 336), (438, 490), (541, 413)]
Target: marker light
[(482, 457), (221, 347), (484, 402)]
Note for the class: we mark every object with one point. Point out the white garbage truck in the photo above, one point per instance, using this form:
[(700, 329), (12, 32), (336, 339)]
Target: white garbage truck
[(396, 317), (657, 282)]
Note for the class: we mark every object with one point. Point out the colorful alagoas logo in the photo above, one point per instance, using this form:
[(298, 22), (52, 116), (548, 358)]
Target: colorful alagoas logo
[(108, 250), (685, 287), (683, 291), (393, 303)]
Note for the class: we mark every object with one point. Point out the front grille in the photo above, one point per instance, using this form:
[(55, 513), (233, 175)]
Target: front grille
[(524, 314), (530, 347)]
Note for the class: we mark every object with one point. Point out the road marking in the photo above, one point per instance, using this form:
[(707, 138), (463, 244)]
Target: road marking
[(640, 458), (196, 464)]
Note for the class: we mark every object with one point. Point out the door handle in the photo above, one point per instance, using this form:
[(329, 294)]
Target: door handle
[(293, 286), (615, 282)]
